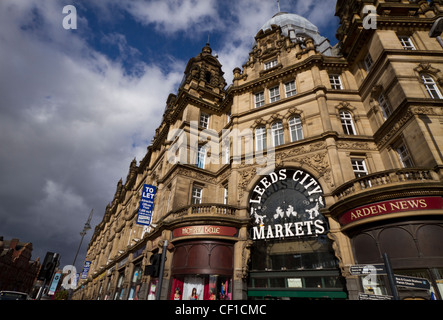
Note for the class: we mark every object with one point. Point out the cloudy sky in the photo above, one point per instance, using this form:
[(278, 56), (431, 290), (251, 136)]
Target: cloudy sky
[(77, 105)]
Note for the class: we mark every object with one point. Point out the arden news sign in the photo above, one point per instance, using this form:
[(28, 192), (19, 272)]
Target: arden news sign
[(391, 206), (286, 203)]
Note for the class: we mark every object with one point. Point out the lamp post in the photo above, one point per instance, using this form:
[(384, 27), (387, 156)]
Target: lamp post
[(436, 30), (83, 233)]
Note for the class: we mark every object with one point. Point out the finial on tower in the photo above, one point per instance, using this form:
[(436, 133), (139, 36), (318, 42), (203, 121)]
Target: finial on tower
[(278, 5)]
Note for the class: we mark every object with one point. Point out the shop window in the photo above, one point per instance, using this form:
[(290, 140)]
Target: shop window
[(134, 290), (152, 289), (201, 287), (120, 290)]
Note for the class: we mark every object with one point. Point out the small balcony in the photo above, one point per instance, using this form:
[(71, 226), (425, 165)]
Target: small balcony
[(397, 179), (204, 209)]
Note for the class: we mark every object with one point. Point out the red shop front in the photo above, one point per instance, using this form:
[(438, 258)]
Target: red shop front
[(202, 269)]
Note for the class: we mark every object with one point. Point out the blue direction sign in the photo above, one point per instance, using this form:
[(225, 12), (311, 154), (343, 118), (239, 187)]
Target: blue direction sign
[(411, 282), (146, 205)]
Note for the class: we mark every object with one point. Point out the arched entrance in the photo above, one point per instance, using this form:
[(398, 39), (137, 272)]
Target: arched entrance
[(291, 255)]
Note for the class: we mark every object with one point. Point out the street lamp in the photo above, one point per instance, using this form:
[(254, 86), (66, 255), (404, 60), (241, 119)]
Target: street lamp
[(436, 30), (86, 227)]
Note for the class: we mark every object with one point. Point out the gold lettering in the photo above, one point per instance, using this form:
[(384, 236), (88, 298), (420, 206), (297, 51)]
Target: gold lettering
[(394, 205), (404, 205)]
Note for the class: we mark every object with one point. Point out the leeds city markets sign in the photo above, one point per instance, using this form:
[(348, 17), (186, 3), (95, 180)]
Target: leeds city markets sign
[(286, 204)]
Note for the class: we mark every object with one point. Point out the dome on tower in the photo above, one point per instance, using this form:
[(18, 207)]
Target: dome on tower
[(298, 28), (285, 19)]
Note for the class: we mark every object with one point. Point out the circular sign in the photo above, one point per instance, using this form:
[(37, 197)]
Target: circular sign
[(286, 203)]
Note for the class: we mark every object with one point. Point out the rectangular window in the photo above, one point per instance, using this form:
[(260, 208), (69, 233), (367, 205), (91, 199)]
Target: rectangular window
[(385, 106), (201, 154), (368, 62), (270, 64), (406, 42), (260, 139), (290, 89), (274, 94), (204, 120), (225, 194), (335, 81), (196, 195), (404, 156), (277, 134), (259, 99), (295, 128), (359, 167)]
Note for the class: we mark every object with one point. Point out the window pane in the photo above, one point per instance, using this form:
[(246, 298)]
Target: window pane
[(295, 128), (260, 138), (368, 62), (384, 105), (274, 94), (290, 89), (204, 120), (359, 167), (431, 87), (405, 157), (196, 195), (347, 123), (201, 154), (335, 82), (406, 42), (277, 134), (259, 99), (270, 64)]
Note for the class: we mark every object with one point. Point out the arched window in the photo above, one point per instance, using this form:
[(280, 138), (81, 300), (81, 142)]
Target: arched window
[(260, 138), (347, 123), (431, 87), (277, 134), (296, 129)]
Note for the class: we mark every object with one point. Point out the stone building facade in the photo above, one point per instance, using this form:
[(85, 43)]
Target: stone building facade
[(315, 159)]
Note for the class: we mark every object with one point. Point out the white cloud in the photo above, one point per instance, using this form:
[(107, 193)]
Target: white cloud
[(71, 120), (170, 16)]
